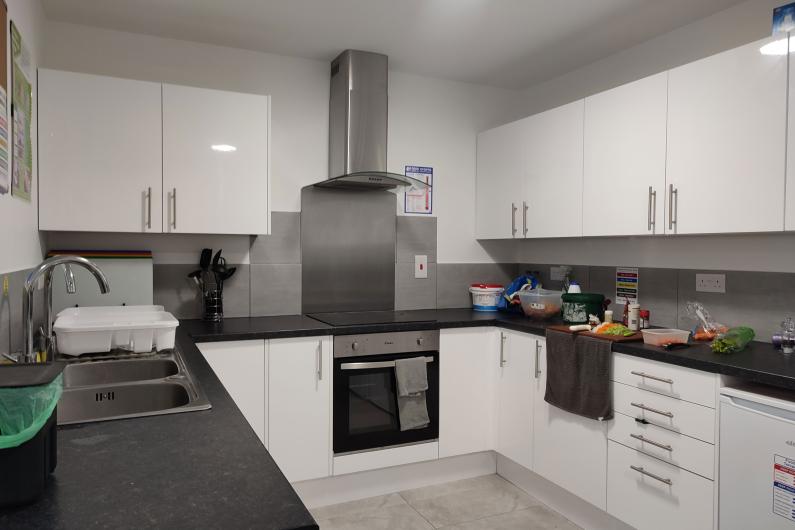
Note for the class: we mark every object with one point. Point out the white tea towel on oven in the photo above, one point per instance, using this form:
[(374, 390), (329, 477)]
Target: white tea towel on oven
[(412, 381)]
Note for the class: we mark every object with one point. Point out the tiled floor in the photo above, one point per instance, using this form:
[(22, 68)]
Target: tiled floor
[(482, 503)]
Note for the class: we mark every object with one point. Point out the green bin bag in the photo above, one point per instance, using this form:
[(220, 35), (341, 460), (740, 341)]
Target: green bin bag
[(24, 411)]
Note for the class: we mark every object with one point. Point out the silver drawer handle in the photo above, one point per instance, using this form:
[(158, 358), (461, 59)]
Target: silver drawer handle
[(642, 471), (149, 207), (513, 219), (656, 411), (379, 364), (649, 376), (651, 442)]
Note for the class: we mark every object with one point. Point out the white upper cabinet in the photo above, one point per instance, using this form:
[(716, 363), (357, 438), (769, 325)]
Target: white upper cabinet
[(515, 398), (553, 145), (215, 161), (500, 182), (624, 159), (299, 399), (100, 153), (726, 143)]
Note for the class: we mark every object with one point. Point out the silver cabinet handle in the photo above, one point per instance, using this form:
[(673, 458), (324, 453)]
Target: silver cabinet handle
[(524, 218), (149, 207), (642, 471), (652, 220), (538, 352), (502, 349), (673, 196), (651, 442), (174, 208), (649, 376), (656, 411), (320, 360), (378, 364), (513, 220)]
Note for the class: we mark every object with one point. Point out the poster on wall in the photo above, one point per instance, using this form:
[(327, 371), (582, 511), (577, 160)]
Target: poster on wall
[(5, 174), (419, 200), (21, 117), (627, 284)]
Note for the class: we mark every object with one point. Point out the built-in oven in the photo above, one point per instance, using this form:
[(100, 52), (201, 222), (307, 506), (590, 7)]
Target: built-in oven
[(365, 389)]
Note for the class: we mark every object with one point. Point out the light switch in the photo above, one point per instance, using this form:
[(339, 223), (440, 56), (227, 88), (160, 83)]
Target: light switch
[(420, 266)]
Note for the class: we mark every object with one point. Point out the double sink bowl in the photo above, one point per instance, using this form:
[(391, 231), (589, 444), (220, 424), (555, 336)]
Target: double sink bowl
[(128, 387)]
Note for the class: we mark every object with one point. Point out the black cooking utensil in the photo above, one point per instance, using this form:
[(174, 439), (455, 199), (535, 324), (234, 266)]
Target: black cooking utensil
[(204, 261), (217, 257)]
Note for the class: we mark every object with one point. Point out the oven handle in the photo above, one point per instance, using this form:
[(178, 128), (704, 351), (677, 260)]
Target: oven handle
[(377, 364)]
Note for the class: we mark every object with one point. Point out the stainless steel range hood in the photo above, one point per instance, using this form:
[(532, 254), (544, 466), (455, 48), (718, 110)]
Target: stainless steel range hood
[(358, 107)]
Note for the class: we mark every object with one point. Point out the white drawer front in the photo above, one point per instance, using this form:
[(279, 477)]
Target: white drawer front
[(683, 501), (672, 447), (671, 380), (674, 414)]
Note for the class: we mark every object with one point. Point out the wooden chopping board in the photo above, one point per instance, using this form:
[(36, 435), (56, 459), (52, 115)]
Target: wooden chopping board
[(637, 336)]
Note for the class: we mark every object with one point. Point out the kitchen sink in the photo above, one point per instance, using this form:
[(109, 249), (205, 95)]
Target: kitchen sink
[(128, 386)]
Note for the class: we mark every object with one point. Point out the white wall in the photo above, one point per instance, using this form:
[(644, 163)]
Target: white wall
[(431, 122), (19, 235)]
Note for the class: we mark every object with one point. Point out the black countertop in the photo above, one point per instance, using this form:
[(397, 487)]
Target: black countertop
[(190, 470), (759, 362)]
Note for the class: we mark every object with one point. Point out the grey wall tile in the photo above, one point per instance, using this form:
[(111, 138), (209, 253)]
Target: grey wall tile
[(579, 273), (415, 235), (283, 244), (275, 289), (414, 293), (657, 292), (760, 300), (180, 296), (453, 280)]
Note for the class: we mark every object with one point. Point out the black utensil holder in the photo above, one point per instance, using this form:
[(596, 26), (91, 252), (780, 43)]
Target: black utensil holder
[(214, 305)]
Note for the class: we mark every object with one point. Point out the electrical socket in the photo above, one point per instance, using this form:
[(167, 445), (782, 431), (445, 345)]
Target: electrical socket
[(420, 266), (711, 283)]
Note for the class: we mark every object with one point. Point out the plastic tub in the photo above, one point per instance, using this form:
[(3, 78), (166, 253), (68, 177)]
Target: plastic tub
[(96, 332), (658, 337), (541, 304), (485, 296)]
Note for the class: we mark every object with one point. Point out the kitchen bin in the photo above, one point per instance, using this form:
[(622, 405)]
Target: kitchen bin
[(28, 430), (577, 307)]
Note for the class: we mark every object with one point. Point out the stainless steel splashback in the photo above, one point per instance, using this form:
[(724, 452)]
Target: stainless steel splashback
[(347, 250)]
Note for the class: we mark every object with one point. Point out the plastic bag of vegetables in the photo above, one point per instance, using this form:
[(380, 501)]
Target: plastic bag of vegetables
[(734, 340)]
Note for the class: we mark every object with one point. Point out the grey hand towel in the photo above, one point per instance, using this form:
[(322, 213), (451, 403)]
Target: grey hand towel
[(412, 382), (412, 376), (578, 374)]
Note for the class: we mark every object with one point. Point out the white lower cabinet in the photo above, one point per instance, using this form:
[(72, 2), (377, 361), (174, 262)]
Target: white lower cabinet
[(650, 494), (299, 412), (569, 450), (468, 364), (515, 397), (242, 368)]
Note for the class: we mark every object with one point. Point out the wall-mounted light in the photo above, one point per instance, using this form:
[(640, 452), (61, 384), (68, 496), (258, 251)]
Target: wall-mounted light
[(778, 47), (224, 148)]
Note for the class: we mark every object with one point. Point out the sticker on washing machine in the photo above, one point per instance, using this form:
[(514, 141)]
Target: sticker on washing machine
[(784, 487)]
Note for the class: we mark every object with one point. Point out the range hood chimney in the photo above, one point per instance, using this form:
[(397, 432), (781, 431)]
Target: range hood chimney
[(358, 107)]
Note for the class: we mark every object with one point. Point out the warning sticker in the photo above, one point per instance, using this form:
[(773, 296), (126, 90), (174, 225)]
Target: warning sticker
[(784, 487)]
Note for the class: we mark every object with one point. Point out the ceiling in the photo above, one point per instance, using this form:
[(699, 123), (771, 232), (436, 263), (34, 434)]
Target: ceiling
[(506, 43)]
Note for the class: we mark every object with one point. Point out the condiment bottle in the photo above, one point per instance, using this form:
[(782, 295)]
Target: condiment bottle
[(634, 317), (645, 315)]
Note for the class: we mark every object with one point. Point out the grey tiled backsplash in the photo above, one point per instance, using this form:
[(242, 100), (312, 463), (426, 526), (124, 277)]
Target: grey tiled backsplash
[(453, 280), (180, 296)]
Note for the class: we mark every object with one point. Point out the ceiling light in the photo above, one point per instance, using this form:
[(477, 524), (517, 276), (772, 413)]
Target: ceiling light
[(224, 148), (777, 47)]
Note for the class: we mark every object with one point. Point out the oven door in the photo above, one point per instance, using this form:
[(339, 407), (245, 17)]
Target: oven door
[(365, 403)]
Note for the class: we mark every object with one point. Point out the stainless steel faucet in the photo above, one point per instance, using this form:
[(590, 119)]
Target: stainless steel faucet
[(45, 269)]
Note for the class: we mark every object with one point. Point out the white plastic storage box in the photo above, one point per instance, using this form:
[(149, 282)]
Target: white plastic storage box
[(485, 296), (138, 329)]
